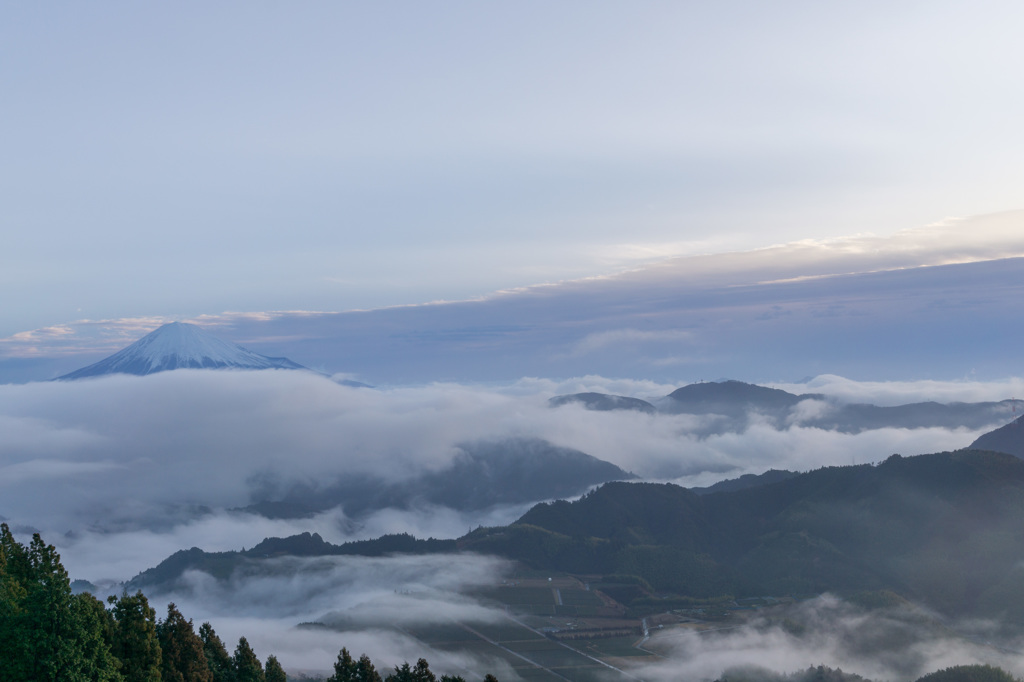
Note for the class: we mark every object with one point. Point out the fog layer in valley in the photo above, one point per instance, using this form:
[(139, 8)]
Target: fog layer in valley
[(370, 604), (895, 644), (119, 472), (366, 604)]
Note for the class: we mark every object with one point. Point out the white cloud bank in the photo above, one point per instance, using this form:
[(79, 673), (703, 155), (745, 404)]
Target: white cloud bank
[(899, 645), (138, 467), (368, 601)]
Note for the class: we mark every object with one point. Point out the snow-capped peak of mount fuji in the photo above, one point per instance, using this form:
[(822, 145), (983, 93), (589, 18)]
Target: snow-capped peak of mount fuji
[(179, 345)]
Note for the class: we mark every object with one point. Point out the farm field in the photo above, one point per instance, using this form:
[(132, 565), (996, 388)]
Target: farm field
[(557, 628), (532, 655)]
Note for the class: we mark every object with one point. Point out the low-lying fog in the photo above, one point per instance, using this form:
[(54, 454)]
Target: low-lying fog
[(368, 602), (371, 603), (121, 471), (888, 644)]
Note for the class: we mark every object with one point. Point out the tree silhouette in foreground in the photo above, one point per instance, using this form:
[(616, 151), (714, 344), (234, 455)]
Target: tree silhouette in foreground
[(135, 642), (46, 633), (184, 659), (246, 665), (217, 656), (273, 670)]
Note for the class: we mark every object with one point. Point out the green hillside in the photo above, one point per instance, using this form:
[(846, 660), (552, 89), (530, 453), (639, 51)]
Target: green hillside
[(947, 529)]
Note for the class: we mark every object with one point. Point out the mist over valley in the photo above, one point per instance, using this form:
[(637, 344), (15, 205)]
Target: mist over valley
[(125, 473)]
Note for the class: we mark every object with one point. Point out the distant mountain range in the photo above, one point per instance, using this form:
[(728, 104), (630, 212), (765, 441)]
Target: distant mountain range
[(942, 529), (733, 405), (179, 345)]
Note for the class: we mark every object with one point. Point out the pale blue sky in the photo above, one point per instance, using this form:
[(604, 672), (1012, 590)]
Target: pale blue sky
[(192, 158)]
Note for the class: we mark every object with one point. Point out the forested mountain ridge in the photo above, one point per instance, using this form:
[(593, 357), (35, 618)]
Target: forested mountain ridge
[(945, 529), (482, 474), (722, 397), (221, 565), (48, 633), (1008, 439)]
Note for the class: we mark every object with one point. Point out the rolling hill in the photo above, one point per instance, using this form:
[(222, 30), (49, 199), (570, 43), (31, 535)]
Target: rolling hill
[(943, 529)]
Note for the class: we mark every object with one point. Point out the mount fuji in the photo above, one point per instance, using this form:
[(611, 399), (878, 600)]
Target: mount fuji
[(179, 345)]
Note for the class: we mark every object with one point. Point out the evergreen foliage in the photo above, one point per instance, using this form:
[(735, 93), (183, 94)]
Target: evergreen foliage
[(217, 656), (46, 633), (344, 668), (365, 671), (969, 673), (273, 670), (245, 663), (820, 673), (94, 636), (135, 641), (421, 672), (49, 635), (183, 657), (417, 673)]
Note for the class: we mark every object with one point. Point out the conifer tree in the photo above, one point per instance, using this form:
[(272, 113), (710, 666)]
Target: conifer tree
[(403, 673), (181, 649), (421, 672), (365, 672), (344, 668), (13, 621), (246, 665), (135, 641), (94, 629), (217, 657), (46, 633), (47, 608), (418, 673), (273, 670)]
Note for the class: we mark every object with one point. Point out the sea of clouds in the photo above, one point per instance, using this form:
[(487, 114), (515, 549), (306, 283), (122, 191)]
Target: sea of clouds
[(120, 472)]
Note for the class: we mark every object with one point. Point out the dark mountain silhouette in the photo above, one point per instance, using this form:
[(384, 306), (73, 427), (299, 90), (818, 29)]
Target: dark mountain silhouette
[(1008, 439), (728, 397), (482, 475), (603, 402), (747, 481), (942, 529), (222, 564)]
